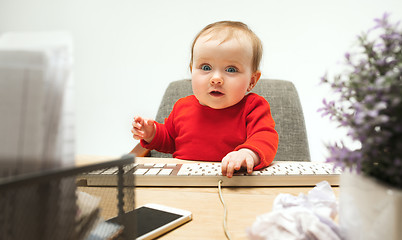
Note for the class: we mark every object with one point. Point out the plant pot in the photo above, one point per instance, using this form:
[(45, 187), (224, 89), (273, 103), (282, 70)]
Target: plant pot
[(369, 209)]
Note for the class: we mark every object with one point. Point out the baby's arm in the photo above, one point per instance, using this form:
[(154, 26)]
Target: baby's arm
[(143, 129), (235, 160)]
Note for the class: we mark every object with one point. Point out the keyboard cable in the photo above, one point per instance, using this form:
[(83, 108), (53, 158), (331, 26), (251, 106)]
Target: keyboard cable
[(224, 211)]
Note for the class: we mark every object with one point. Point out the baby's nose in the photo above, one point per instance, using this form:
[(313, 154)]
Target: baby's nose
[(216, 79)]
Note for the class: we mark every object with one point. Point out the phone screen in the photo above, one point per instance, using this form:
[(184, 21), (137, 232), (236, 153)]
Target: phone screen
[(148, 219)]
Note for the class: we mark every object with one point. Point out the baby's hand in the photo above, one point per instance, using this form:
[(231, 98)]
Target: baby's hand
[(143, 129), (235, 160)]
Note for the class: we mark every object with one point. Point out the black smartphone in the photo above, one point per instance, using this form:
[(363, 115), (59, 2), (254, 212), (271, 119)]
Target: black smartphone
[(154, 220)]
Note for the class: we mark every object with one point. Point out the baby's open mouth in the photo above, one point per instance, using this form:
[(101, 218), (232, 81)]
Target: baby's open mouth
[(216, 93)]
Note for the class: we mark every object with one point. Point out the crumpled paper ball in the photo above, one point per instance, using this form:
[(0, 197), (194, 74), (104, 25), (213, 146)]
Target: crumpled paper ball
[(301, 217)]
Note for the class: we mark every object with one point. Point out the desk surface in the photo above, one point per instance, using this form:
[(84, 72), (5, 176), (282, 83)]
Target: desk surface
[(244, 204)]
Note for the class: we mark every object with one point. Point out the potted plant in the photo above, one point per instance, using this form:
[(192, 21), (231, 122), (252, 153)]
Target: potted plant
[(368, 103)]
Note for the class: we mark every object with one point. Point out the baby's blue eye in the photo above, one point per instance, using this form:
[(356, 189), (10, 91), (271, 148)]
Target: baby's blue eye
[(206, 67), (231, 69)]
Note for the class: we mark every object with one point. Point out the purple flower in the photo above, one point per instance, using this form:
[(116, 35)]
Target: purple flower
[(369, 104), (382, 22), (347, 56)]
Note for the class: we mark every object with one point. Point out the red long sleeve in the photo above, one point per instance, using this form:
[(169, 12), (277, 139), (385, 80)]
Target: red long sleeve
[(197, 132)]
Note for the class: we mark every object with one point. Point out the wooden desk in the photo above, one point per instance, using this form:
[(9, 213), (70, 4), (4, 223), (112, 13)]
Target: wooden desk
[(244, 204)]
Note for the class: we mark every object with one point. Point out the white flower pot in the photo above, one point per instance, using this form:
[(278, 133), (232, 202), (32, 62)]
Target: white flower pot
[(369, 209)]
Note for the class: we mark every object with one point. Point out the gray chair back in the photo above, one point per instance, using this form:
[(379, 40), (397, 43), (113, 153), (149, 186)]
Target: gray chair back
[(285, 109)]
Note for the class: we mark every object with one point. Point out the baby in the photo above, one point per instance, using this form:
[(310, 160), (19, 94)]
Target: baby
[(222, 121)]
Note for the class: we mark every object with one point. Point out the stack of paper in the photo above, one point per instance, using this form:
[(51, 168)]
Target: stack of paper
[(37, 133), (36, 107)]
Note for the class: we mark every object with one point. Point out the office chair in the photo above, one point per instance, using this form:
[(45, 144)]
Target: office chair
[(286, 111)]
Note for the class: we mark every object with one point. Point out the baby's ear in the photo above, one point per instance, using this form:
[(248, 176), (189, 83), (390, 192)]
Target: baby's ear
[(254, 79)]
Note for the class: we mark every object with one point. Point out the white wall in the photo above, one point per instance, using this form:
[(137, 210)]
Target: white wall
[(127, 51)]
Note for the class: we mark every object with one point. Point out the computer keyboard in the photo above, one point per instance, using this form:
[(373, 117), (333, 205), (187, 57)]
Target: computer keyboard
[(285, 173)]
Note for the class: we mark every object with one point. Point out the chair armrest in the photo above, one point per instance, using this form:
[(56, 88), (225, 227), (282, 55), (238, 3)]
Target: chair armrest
[(140, 151)]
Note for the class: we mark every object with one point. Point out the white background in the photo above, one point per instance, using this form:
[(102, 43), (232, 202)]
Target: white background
[(127, 52)]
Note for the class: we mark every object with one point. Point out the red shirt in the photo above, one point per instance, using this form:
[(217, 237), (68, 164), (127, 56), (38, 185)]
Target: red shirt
[(196, 132)]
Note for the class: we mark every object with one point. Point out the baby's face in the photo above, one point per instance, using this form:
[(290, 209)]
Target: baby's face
[(222, 72)]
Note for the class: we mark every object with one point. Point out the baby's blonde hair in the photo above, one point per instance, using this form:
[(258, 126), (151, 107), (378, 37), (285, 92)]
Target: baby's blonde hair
[(233, 29)]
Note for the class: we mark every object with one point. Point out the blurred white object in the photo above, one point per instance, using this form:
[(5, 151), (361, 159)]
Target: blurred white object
[(368, 209), (36, 133), (36, 101), (300, 217)]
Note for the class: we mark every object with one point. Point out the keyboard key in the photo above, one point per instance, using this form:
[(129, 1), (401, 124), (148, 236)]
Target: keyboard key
[(307, 171), (140, 171), (110, 170), (159, 165), (153, 171), (165, 172), (213, 173), (97, 171)]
